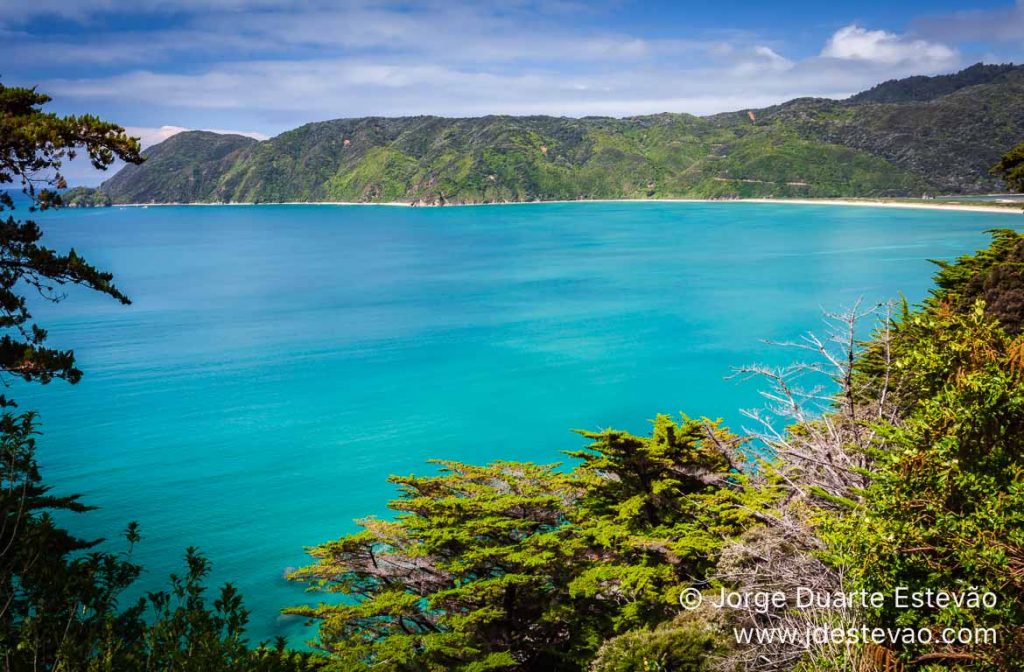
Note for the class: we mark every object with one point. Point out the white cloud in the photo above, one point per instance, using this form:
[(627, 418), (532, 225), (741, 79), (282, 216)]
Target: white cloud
[(463, 32), (878, 46), (302, 91), (762, 60), (275, 65)]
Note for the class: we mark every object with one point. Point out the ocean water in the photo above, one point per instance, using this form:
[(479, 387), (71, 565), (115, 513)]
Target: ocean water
[(279, 362)]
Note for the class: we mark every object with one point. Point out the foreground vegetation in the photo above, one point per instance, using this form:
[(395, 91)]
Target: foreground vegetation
[(60, 597), (908, 474), (911, 477)]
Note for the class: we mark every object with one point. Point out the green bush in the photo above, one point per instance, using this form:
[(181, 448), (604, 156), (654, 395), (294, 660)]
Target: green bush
[(673, 648)]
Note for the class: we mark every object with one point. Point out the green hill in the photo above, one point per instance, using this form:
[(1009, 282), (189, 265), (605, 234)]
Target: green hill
[(901, 138), (185, 168), (922, 88)]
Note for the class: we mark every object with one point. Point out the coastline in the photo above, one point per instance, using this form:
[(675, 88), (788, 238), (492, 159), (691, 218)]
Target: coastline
[(1015, 208)]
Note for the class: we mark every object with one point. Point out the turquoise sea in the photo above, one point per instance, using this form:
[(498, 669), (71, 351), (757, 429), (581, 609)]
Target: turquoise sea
[(280, 361)]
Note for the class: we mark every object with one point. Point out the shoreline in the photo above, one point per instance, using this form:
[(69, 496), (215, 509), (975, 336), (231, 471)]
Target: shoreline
[(1014, 208)]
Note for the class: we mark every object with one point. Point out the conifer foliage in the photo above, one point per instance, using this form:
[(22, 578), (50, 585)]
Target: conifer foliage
[(33, 146), (61, 599), (521, 566)]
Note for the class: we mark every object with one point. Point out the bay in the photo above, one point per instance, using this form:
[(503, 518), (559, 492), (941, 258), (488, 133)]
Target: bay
[(279, 362)]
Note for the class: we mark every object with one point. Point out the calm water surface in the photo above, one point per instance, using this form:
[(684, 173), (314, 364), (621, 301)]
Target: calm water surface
[(280, 361)]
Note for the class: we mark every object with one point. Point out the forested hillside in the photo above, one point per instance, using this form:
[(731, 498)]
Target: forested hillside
[(901, 138)]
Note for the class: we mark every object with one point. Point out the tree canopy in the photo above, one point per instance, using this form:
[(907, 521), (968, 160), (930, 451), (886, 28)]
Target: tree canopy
[(1011, 168), (521, 566), (60, 596), (33, 147), (911, 477)]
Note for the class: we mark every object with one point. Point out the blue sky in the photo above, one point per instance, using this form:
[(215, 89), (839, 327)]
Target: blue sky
[(263, 66)]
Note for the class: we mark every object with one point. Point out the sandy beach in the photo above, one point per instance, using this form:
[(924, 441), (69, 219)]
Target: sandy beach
[(1003, 208), (1006, 208)]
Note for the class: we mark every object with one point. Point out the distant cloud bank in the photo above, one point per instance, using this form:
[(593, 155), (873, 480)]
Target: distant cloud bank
[(269, 65)]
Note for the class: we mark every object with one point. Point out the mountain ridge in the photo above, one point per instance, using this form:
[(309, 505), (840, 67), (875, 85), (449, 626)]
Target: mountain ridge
[(941, 135)]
